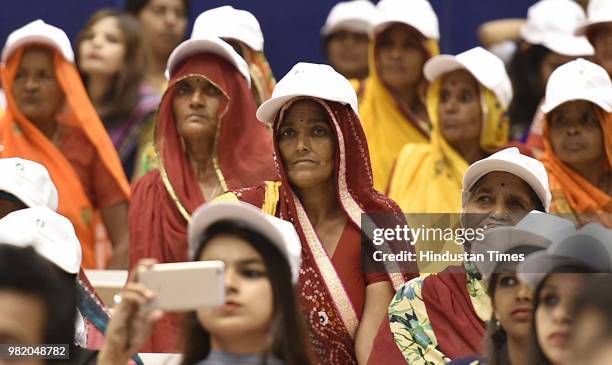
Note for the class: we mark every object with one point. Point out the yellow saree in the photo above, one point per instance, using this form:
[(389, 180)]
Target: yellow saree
[(386, 126)]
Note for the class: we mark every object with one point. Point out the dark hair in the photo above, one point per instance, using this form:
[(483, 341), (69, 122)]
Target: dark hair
[(592, 299), (496, 337), (124, 93), (536, 355), (289, 341), (524, 72), (23, 270), (134, 7)]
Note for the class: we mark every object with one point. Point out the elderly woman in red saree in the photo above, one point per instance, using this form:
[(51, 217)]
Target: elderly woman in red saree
[(208, 141), (51, 120), (325, 189), (578, 141)]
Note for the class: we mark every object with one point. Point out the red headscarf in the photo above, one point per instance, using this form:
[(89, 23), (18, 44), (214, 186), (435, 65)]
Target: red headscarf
[(163, 200), (333, 342)]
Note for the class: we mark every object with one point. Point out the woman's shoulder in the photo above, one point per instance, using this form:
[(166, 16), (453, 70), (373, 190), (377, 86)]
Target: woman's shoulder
[(265, 195)]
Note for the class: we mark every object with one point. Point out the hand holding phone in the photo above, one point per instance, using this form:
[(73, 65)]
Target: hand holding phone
[(185, 286)]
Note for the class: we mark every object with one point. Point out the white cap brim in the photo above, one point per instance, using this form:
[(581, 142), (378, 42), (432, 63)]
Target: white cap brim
[(268, 109), (480, 168), (8, 51), (441, 65), (383, 25), (211, 45), (360, 26), (281, 233), (548, 106)]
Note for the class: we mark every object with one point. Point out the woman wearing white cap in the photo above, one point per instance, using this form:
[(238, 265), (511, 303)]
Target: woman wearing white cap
[(26, 184), (556, 275), (260, 322), (578, 141), (391, 103), (442, 316), (50, 120), (208, 141), (467, 98), (54, 238), (548, 42), (345, 37), (242, 31), (325, 188), (598, 29)]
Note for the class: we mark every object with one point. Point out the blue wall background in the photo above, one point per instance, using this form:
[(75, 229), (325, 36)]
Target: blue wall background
[(291, 27)]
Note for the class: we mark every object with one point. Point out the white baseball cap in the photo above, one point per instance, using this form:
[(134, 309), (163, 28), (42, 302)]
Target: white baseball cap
[(536, 231), (509, 160), (578, 80), (598, 12), (355, 16), (51, 234), (38, 32), (589, 247), (416, 13), (308, 79), (212, 45), (281, 233), (227, 22), (552, 23), (28, 181), (487, 68)]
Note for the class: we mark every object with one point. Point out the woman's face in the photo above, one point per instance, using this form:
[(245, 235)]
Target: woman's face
[(459, 109), (348, 53), (164, 23), (197, 106), (575, 133), (307, 145), (499, 199), (513, 305), (102, 49), (601, 38), (552, 318), (37, 92), (248, 307), (550, 63), (400, 57)]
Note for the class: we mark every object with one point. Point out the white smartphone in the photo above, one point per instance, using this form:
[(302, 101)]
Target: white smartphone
[(185, 286)]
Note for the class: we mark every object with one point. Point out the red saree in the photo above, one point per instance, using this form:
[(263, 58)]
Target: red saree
[(164, 199), (332, 316)]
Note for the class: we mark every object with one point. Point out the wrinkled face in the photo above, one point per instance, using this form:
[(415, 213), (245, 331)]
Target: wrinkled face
[(102, 49), (307, 145), (163, 25), (249, 297), (460, 110), (601, 38), (513, 305), (575, 133), (197, 104), (37, 92), (348, 53), (552, 317), (400, 57), (499, 199), (22, 321), (550, 63)]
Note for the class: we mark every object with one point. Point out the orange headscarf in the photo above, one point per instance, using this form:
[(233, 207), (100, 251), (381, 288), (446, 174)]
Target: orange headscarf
[(20, 137), (571, 192)]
